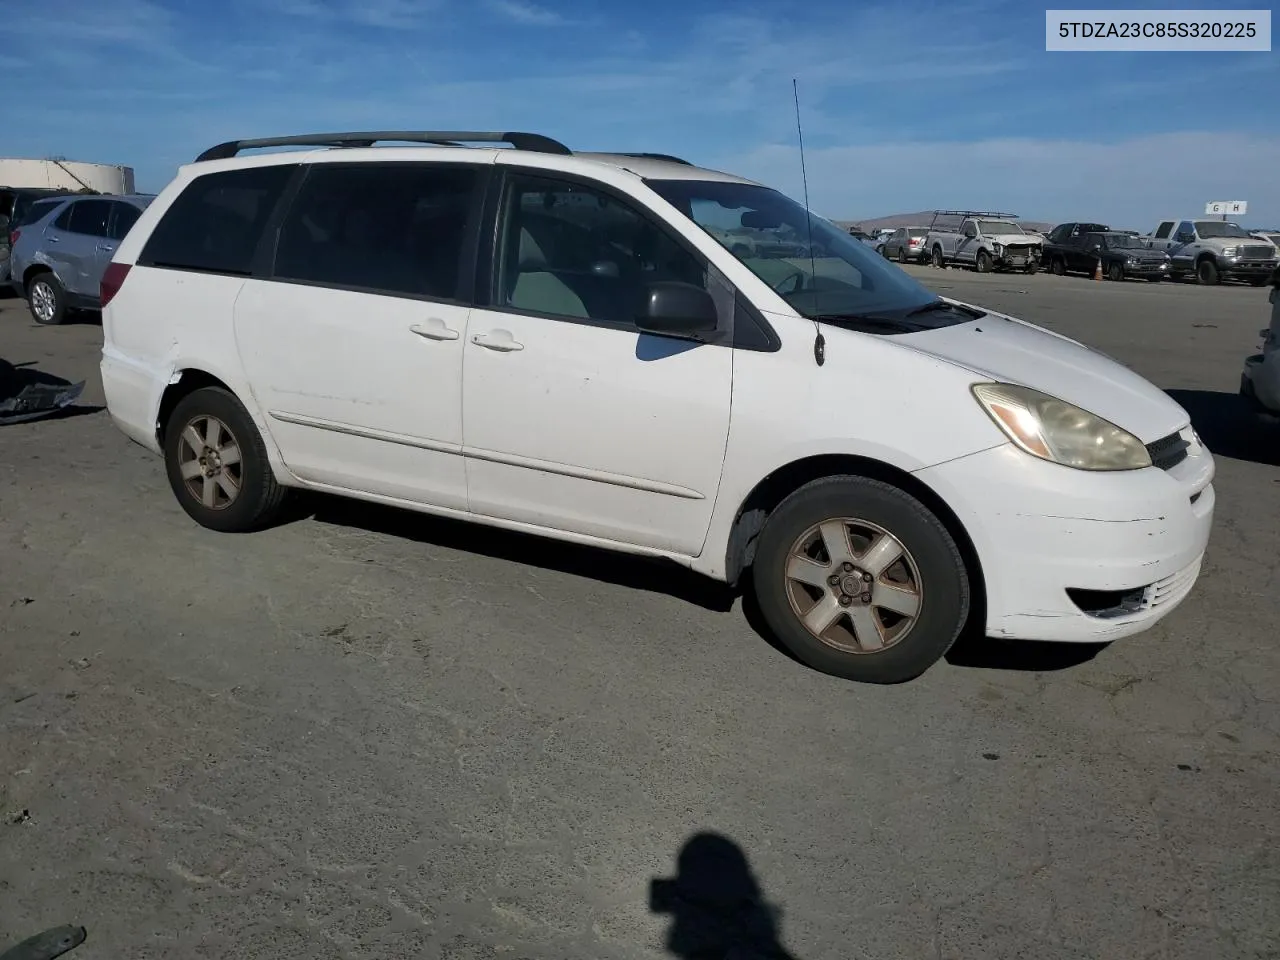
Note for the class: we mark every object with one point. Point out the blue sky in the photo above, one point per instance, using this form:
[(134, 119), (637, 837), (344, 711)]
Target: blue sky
[(906, 106)]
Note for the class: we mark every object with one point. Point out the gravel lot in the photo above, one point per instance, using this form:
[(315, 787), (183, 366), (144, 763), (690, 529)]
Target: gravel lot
[(369, 734)]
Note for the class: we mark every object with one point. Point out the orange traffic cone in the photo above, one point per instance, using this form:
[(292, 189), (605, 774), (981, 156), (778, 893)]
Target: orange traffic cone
[(1097, 269)]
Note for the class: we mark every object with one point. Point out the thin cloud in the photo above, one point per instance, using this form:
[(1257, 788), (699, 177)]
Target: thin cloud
[(522, 11)]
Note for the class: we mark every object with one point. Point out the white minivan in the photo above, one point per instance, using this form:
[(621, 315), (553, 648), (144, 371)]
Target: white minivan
[(632, 352)]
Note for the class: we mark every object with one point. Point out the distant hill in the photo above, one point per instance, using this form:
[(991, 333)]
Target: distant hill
[(923, 219)]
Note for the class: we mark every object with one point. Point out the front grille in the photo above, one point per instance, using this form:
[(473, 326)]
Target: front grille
[(1257, 253), (1167, 452)]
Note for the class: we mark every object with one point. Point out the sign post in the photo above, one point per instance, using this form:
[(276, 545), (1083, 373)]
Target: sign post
[(1235, 208)]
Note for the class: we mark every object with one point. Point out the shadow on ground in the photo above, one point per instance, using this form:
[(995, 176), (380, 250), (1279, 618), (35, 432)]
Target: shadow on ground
[(637, 573), (716, 905), (973, 649), (1230, 426)]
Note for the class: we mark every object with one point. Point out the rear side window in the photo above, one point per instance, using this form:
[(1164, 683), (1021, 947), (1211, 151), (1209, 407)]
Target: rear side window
[(215, 223), (37, 211), (394, 228), (126, 216)]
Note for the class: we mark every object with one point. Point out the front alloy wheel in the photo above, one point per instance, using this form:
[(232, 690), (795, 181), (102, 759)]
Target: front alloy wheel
[(853, 585), (859, 579)]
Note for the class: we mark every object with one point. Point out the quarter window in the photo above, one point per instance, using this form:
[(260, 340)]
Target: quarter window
[(397, 228), (215, 223), (126, 216), (1166, 228), (572, 251)]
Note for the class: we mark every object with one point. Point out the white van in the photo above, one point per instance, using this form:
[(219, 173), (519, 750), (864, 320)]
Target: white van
[(564, 343)]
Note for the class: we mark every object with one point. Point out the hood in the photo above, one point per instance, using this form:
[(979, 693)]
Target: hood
[(1014, 239), (1014, 351)]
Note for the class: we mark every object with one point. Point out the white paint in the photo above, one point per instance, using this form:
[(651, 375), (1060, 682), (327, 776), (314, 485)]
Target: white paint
[(580, 435)]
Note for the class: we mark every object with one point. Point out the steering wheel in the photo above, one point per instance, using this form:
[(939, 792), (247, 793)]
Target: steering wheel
[(797, 275)]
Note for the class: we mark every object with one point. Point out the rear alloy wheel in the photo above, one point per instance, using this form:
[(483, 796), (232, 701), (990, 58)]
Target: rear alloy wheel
[(1115, 271), (217, 463), (46, 299), (902, 254), (1058, 266), (936, 257), (859, 580)]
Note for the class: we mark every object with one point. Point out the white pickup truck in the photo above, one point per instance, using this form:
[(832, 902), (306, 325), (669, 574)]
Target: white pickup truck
[(987, 241), (1214, 250)]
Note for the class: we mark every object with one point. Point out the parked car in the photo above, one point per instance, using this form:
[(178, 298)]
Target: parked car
[(1260, 380), (988, 241), (15, 204), (1120, 255), (58, 259), (1215, 250), (906, 245), (556, 342)]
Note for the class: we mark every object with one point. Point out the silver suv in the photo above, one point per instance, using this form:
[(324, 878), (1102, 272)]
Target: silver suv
[(58, 259)]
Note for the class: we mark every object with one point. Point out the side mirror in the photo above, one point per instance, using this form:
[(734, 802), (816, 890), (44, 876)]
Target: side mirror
[(677, 309)]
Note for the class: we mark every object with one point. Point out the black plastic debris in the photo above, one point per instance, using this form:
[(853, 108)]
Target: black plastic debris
[(38, 400), (47, 945)]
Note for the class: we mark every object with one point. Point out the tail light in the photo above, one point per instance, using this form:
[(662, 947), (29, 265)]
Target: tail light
[(13, 236), (112, 280)]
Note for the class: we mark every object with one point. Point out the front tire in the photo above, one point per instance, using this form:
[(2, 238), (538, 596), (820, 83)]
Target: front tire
[(47, 299), (860, 580), (1207, 273), (984, 262), (1115, 272), (217, 463)]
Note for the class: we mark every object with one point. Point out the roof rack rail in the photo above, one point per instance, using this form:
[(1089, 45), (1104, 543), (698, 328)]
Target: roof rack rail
[(658, 156), (445, 138), (973, 213)]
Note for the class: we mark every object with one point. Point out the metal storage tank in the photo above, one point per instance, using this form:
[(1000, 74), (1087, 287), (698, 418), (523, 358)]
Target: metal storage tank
[(61, 174)]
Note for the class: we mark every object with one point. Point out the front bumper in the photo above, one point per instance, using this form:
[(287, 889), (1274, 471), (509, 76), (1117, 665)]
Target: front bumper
[(1080, 557), (1146, 270), (1016, 259), (1246, 268)]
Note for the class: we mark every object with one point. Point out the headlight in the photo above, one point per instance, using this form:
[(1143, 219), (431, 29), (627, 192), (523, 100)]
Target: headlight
[(1230, 251), (1060, 432), (996, 248)]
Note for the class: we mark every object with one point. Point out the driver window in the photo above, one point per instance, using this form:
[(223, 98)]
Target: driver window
[(568, 250)]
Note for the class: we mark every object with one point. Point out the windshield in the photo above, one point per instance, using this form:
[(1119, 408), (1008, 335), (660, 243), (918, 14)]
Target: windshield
[(1216, 228), (767, 231), (1123, 241), (994, 227)]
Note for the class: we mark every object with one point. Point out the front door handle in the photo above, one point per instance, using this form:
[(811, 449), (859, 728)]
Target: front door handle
[(434, 329), (497, 340)]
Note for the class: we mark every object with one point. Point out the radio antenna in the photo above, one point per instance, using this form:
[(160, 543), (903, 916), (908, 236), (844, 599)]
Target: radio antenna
[(819, 341)]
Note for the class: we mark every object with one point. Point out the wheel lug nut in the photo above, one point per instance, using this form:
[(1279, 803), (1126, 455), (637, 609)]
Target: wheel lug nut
[(866, 598), (866, 577), (848, 567), (834, 581), (845, 600)]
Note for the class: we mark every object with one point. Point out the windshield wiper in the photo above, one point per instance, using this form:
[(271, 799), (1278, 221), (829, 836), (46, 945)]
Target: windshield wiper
[(935, 305), (871, 320)]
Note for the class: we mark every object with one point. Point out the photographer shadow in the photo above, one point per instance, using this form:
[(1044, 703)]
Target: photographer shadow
[(716, 906)]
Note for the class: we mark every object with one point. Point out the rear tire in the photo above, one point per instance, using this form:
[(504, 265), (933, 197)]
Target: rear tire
[(902, 255), (936, 258), (1059, 266), (47, 299), (882, 621), (217, 463)]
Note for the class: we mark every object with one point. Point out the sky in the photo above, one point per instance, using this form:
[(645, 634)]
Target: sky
[(904, 106)]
